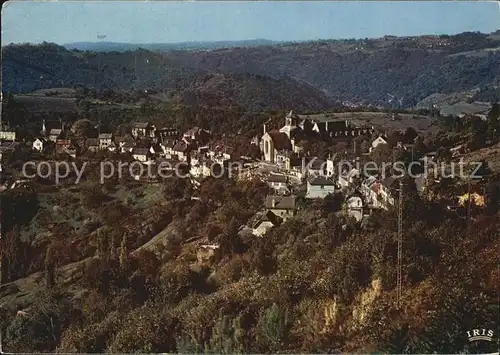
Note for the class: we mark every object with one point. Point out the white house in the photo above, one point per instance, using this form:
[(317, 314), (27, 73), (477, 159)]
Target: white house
[(278, 182), (141, 154), (202, 168), (388, 187), (8, 135), (167, 146), (39, 144), (105, 140), (330, 167), (378, 141), (319, 187), (266, 222), (354, 206), (367, 189)]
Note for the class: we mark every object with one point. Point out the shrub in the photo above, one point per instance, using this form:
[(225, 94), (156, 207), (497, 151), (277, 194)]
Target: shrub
[(272, 328)]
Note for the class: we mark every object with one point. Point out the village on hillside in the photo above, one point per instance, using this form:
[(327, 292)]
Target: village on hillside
[(284, 165)]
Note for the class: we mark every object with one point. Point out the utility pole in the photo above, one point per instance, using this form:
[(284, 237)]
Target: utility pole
[(400, 246)]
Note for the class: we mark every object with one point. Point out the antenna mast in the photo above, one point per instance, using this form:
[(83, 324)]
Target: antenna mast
[(400, 245)]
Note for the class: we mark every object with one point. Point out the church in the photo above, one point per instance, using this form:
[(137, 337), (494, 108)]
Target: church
[(276, 145)]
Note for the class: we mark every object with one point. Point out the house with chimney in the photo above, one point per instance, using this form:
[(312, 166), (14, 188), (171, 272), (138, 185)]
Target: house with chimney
[(196, 134), (167, 145), (321, 124), (265, 222), (55, 134), (141, 154), (282, 206), (279, 183), (319, 187), (142, 130), (48, 126)]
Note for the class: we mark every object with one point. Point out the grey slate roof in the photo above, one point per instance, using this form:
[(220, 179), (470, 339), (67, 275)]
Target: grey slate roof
[(140, 151), (321, 181), (140, 124), (55, 132), (280, 202), (269, 216), (276, 178)]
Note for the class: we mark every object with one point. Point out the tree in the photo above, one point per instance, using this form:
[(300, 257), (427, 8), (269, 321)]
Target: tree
[(419, 148), (49, 267), (383, 153), (272, 328), (175, 187), (229, 241), (493, 122), (444, 154), (92, 196), (40, 329), (410, 135), (83, 128), (14, 256)]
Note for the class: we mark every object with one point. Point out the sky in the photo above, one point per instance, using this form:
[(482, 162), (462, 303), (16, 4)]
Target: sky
[(168, 22)]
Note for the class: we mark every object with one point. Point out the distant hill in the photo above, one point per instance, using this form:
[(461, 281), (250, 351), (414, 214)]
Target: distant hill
[(162, 47), (366, 71), (254, 93), (32, 68), (360, 72)]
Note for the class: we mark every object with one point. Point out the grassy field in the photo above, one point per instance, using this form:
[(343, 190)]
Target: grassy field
[(39, 103), (383, 120), (491, 155)]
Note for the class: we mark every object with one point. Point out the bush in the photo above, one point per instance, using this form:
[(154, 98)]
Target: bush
[(272, 328), (40, 329)]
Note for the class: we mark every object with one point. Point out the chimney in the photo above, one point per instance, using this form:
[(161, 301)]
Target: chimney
[(264, 128)]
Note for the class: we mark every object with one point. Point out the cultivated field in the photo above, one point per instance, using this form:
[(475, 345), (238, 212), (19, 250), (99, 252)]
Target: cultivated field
[(383, 120)]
